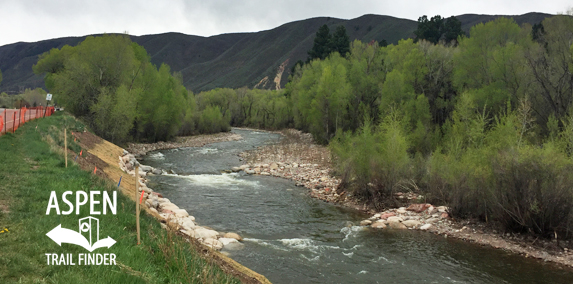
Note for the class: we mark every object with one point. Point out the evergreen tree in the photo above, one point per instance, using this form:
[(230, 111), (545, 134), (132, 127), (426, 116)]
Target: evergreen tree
[(430, 30), (436, 29), (341, 41), (537, 32), (322, 44), (452, 30)]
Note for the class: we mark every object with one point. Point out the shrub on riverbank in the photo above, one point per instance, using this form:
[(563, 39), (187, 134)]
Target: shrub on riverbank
[(372, 163), (492, 170)]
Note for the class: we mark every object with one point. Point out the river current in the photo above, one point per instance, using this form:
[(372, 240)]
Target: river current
[(292, 238)]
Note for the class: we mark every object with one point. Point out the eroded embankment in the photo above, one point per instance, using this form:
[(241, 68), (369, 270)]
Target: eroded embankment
[(109, 158)]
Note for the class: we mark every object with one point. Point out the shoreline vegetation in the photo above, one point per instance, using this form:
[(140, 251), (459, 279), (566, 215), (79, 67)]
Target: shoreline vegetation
[(298, 149)]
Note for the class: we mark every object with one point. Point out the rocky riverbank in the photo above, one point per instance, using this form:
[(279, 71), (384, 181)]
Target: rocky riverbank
[(170, 213), (297, 158), (139, 149)]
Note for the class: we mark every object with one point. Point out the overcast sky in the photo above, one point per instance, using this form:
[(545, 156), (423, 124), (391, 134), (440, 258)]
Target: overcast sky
[(35, 20)]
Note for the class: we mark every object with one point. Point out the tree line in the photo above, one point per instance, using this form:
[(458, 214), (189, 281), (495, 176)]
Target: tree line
[(484, 125), (110, 83)]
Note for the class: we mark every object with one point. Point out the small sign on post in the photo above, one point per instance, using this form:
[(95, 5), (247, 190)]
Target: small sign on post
[(48, 97)]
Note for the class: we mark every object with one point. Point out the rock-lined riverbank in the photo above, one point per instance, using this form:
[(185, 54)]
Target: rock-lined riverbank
[(138, 149), (171, 213), (297, 158)]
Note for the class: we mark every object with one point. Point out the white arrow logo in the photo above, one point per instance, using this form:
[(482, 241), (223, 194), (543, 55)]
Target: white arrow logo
[(62, 235)]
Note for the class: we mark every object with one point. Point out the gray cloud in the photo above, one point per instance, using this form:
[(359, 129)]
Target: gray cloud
[(33, 20)]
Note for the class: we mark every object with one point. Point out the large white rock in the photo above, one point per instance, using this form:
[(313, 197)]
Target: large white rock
[(426, 227), (393, 219), (145, 168), (202, 233), (213, 243), (152, 203), (227, 241), (397, 225), (378, 225), (432, 220), (168, 206), (233, 236), (153, 210), (180, 213), (411, 223), (186, 223), (365, 222)]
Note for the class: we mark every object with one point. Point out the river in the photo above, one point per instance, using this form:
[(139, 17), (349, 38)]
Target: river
[(292, 238)]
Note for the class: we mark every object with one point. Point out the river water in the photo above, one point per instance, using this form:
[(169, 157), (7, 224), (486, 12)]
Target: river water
[(292, 238)]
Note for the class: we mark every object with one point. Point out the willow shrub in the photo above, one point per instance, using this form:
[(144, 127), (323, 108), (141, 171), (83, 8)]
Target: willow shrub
[(374, 162), (521, 186)]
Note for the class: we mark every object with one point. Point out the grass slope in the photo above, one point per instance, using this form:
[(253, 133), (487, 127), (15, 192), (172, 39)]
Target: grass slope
[(32, 166), (231, 60)]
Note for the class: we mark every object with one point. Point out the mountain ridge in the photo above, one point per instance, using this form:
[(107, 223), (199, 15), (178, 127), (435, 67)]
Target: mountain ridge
[(233, 59)]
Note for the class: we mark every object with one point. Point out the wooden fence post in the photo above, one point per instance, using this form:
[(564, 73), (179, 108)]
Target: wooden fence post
[(136, 202), (66, 146)]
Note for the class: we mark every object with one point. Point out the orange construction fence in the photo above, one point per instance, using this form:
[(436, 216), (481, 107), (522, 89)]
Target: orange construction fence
[(11, 119)]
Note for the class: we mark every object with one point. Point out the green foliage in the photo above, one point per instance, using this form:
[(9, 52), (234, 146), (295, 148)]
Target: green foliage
[(537, 32), (373, 163), (109, 82), (340, 41), (29, 98), (322, 44), (475, 125), (325, 43), (436, 29), (212, 120), (549, 60), (430, 30), (484, 126), (491, 62), (452, 30)]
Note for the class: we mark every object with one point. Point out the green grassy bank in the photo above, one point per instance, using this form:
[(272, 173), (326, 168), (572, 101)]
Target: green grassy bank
[(31, 166)]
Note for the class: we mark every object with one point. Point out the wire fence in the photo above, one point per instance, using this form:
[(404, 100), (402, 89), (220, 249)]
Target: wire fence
[(12, 119)]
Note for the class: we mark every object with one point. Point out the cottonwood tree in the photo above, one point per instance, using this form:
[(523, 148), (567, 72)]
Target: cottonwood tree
[(550, 60), (109, 82), (490, 63)]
